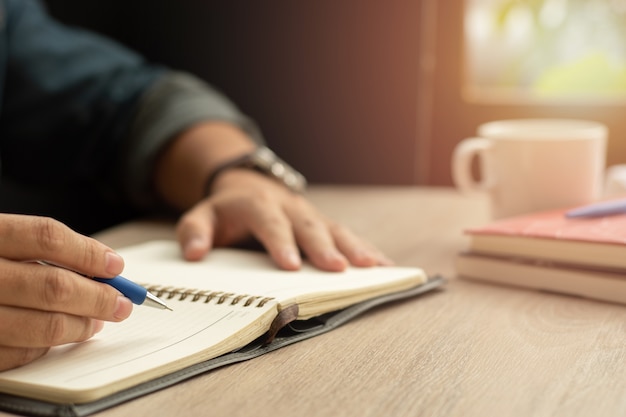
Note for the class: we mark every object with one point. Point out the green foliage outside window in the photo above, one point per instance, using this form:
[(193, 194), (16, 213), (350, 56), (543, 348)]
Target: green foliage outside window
[(547, 48)]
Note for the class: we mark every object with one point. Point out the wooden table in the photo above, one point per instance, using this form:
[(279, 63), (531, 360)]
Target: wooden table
[(470, 350)]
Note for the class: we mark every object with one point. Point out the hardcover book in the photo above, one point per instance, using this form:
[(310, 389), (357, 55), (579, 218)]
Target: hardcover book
[(549, 251), (549, 235)]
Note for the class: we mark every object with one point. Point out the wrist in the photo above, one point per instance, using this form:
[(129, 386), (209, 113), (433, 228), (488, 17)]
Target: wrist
[(264, 161), (182, 169)]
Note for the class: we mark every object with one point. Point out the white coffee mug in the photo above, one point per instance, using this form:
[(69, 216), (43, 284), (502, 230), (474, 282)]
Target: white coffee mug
[(529, 165)]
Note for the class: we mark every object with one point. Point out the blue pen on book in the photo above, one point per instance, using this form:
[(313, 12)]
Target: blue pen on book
[(604, 208), (134, 292)]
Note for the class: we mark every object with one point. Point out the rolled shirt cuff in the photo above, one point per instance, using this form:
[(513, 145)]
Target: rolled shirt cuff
[(174, 103)]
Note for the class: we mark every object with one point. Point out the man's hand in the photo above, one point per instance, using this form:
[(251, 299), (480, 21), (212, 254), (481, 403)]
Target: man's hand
[(43, 306), (245, 204)]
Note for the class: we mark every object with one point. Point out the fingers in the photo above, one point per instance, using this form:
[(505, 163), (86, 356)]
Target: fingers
[(41, 329), (11, 357), (359, 252), (43, 306), (331, 246), (312, 234), (195, 232), (48, 288), (270, 225), (281, 221), (31, 237), (26, 335), (229, 220)]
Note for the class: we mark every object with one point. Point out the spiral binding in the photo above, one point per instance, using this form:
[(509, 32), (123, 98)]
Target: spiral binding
[(207, 296)]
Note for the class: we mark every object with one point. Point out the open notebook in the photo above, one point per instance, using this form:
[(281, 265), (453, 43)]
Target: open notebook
[(230, 307)]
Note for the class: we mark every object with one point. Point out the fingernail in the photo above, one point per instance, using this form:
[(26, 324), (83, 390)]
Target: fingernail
[(123, 308), (195, 247), (291, 258), (332, 254), (114, 264), (364, 257), (195, 243), (98, 325), (335, 260)]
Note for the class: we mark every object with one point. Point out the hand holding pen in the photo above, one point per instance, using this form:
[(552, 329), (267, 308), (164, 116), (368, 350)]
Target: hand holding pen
[(44, 306), (134, 292)]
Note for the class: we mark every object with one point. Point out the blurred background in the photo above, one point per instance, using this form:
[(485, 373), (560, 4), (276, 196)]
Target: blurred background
[(380, 92)]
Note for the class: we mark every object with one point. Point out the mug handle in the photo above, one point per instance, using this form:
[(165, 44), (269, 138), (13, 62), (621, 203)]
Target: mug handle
[(615, 181), (464, 152)]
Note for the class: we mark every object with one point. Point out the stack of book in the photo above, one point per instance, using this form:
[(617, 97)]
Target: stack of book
[(549, 251)]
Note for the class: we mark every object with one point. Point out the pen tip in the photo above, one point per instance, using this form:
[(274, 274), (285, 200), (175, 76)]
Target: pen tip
[(154, 301)]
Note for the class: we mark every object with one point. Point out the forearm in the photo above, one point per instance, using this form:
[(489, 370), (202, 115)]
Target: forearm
[(185, 164), (181, 129)]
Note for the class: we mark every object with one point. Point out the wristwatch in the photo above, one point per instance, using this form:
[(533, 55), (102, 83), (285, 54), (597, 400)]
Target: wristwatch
[(263, 160)]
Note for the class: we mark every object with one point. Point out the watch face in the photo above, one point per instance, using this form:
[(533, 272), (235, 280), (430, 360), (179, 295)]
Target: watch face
[(267, 161)]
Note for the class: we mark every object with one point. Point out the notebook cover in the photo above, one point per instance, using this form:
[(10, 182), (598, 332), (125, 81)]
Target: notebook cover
[(554, 225), (295, 332)]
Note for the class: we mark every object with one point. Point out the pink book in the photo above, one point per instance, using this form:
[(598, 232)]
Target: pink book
[(550, 235), (554, 225), (549, 251)]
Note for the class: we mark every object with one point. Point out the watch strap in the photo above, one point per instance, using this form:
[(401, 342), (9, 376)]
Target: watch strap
[(263, 160)]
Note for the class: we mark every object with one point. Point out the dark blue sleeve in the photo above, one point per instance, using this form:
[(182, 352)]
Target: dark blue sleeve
[(68, 98)]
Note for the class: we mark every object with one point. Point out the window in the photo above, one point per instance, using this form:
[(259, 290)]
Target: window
[(544, 50)]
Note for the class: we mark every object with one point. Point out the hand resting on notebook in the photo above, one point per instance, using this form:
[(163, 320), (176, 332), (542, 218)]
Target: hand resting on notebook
[(242, 204)]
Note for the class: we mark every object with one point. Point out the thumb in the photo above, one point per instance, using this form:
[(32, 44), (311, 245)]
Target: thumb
[(195, 231)]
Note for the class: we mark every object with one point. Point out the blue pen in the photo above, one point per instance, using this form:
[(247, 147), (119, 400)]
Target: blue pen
[(604, 208), (134, 292)]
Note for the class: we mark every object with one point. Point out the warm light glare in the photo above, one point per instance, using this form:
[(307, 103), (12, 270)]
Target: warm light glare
[(545, 49)]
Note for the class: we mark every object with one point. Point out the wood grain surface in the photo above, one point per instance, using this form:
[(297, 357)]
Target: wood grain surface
[(470, 349)]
